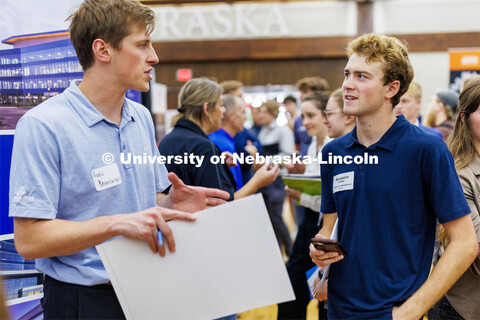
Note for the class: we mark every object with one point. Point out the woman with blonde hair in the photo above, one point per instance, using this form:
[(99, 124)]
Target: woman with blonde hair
[(462, 301)]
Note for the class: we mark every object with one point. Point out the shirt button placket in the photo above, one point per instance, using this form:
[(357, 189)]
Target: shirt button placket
[(123, 148)]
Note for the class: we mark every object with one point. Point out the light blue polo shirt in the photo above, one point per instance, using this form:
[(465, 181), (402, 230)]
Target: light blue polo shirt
[(60, 170)]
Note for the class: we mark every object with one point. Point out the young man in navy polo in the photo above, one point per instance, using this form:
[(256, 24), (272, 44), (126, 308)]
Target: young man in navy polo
[(387, 212)]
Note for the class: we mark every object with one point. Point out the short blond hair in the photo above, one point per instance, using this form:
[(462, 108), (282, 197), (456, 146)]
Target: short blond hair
[(194, 93), (272, 107), (391, 53), (415, 90), (313, 83)]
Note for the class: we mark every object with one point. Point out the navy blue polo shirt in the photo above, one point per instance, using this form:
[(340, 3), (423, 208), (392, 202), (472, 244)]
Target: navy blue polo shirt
[(387, 214), (187, 138)]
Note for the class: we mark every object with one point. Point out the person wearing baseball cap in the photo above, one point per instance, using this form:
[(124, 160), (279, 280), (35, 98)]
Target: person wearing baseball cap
[(441, 111)]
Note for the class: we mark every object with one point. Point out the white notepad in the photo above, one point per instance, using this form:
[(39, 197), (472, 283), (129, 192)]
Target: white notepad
[(226, 262)]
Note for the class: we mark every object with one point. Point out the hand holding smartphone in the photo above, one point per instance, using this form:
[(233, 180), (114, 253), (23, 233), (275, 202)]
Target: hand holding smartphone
[(328, 245)]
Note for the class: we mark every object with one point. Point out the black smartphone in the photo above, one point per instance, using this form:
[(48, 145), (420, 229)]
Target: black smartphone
[(328, 245)]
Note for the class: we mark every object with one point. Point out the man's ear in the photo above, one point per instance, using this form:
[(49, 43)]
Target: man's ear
[(349, 120), (101, 50), (228, 115), (392, 89)]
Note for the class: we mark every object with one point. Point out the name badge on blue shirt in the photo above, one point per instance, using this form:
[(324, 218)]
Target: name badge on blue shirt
[(106, 177), (343, 181)]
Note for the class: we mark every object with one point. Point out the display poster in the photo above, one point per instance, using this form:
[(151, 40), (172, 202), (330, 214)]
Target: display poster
[(6, 144), (464, 64), (228, 261)]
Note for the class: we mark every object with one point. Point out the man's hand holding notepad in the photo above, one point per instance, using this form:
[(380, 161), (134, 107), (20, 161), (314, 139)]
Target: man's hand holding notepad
[(307, 184)]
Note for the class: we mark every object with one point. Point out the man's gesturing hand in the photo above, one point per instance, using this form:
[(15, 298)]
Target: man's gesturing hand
[(193, 199)]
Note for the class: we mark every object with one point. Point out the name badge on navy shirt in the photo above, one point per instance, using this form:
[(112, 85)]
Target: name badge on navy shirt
[(343, 181), (106, 177)]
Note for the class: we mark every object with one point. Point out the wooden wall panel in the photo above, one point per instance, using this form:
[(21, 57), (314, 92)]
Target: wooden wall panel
[(253, 72), (298, 48), (258, 49), (436, 42)]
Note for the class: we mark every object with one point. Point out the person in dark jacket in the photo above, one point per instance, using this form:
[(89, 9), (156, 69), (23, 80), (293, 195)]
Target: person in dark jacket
[(200, 113)]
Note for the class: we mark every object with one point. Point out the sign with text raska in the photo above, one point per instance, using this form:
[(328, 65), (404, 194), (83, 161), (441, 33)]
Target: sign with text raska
[(254, 20)]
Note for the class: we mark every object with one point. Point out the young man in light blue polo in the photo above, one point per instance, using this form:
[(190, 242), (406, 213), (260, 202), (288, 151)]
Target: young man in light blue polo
[(387, 212), (68, 189)]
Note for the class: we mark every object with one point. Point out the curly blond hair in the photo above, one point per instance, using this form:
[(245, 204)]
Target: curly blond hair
[(391, 53)]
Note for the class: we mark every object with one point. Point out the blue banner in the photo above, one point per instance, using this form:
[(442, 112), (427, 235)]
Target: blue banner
[(6, 144)]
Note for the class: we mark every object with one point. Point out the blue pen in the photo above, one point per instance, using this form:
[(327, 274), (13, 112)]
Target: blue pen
[(160, 238)]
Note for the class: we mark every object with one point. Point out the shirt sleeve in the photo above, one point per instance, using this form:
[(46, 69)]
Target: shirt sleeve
[(443, 188), (35, 172), (161, 173), (327, 203)]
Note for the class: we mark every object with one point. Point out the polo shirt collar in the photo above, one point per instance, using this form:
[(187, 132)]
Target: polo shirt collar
[(182, 123), (388, 141), (87, 111), (126, 113), (225, 133)]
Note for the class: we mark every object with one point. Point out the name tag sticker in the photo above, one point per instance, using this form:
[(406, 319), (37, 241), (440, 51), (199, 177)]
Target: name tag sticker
[(343, 181), (106, 177)]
